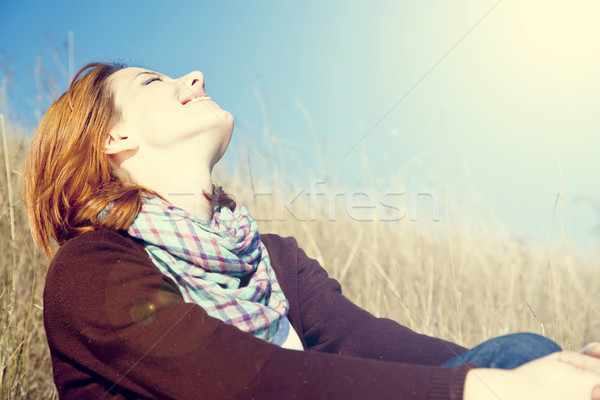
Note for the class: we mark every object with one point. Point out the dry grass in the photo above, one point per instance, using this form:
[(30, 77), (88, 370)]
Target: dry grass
[(25, 370), (465, 285)]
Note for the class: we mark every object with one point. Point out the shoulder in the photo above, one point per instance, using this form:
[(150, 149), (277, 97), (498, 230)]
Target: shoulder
[(289, 259), (86, 261), (94, 241), (284, 250), (99, 247), (95, 272), (276, 243)]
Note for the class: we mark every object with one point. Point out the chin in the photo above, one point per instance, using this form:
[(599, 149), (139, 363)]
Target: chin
[(229, 120), (225, 138)]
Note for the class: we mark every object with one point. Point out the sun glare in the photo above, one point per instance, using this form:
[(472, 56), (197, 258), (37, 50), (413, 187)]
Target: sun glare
[(558, 34)]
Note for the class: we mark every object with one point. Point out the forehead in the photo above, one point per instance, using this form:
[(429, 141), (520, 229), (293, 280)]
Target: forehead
[(127, 75), (122, 82)]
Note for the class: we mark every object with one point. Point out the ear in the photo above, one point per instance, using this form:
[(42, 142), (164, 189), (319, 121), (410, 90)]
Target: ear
[(117, 143)]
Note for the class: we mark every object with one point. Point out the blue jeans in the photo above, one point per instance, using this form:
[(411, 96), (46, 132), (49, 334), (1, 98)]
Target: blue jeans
[(506, 352)]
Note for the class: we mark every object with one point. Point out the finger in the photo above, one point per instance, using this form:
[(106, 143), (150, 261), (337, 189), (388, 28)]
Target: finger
[(592, 350), (596, 393), (580, 361)]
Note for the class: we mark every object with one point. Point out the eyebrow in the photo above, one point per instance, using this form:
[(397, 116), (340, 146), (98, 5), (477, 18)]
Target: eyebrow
[(147, 73)]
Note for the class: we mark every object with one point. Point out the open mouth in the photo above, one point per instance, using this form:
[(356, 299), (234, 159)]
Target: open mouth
[(196, 98)]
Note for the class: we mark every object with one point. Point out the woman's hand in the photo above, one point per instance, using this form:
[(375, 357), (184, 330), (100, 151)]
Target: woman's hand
[(592, 350), (560, 376)]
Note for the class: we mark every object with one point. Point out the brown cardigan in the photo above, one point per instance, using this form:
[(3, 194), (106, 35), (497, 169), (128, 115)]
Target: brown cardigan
[(118, 329)]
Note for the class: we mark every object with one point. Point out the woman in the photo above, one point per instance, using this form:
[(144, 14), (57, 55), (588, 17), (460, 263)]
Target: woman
[(163, 288)]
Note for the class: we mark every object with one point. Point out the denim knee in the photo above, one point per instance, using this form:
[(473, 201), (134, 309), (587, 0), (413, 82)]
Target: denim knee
[(531, 343), (507, 352)]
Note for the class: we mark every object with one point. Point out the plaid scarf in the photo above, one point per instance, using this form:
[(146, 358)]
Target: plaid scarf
[(220, 265)]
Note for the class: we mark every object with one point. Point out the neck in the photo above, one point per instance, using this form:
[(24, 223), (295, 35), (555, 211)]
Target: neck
[(188, 194), (180, 184)]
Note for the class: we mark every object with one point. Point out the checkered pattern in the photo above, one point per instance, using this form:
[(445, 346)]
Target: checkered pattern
[(221, 264)]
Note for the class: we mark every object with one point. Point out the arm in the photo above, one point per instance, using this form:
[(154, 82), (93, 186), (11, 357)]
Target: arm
[(326, 313), (333, 324), (115, 323)]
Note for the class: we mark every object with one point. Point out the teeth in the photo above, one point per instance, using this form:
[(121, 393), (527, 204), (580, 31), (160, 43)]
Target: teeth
[(197, 99)]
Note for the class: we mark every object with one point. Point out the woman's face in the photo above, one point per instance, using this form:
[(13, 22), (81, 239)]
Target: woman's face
[(160, 113)]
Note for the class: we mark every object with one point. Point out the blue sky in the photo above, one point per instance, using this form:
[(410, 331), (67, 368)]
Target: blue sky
[(491, 106)]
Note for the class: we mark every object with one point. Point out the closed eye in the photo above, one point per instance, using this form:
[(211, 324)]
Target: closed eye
[(154, 78)]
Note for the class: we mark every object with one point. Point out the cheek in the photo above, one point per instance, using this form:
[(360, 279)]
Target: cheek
[(152, 127)]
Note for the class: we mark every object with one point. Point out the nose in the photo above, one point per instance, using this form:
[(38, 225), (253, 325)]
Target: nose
[(194, 80)]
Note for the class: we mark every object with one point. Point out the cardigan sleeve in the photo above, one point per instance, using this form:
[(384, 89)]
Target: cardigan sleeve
[(117, 328), (332, 323)]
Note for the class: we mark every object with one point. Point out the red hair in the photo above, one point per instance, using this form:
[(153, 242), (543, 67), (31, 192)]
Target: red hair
[(67, 179)]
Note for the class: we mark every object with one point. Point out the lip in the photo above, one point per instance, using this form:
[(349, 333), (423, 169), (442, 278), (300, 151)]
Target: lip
[(194, 96)]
